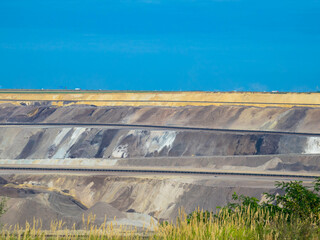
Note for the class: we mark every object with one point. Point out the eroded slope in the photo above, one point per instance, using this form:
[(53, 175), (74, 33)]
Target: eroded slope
[(296, 119), (82, 142), (68, 197)]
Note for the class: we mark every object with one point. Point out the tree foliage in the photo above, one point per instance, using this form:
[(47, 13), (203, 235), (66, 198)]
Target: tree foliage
[(3, 206), (298, 200), (295, 200)]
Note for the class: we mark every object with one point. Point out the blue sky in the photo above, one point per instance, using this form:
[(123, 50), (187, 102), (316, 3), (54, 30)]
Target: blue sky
[(211, 45)]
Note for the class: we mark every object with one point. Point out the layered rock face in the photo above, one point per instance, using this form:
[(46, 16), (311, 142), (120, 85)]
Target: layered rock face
[(137, 198), (296, 119), (116, 142), (82, 142), (133, 200)]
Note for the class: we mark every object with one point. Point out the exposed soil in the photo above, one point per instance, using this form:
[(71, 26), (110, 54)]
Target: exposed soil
[(43, 196), (296, 119), (79, 142), (135, 199)]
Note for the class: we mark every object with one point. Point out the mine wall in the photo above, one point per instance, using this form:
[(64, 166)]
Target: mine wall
[(136, 199), (293, 119), (85, 142), (133, 200), (81, 142)]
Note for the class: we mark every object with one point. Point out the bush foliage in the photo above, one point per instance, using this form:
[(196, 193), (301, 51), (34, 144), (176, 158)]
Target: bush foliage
[(296, 200), (292, 212)]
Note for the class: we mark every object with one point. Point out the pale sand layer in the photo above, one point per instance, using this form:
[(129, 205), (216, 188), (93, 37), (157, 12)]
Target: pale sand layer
[(167, 98)]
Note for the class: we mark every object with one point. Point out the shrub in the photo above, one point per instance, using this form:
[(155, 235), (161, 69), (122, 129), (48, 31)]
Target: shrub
[(297, 201), (3, 206), (292, 214)]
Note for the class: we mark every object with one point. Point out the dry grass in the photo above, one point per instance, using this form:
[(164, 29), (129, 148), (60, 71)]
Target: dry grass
[(240, 225)]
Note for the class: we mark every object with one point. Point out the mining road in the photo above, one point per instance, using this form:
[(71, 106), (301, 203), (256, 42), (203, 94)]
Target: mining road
[(151, 170), (153, 127)]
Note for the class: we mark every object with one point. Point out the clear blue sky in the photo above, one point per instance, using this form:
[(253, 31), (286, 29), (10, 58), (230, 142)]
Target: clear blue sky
[(247, 45)]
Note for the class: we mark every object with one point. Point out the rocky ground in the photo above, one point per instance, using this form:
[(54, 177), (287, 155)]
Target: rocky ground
[(135, 199), (295, 119), (84, 142)]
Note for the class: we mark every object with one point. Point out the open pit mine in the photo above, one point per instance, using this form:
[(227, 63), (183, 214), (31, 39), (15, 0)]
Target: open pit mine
[(141, 156)]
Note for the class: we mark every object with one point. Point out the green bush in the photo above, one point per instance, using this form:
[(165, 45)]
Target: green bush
[(296, 202), (293, 213), (3, 206)]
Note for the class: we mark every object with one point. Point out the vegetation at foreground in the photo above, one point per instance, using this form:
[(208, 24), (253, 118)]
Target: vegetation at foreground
[(297, 201), (294, 214)]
